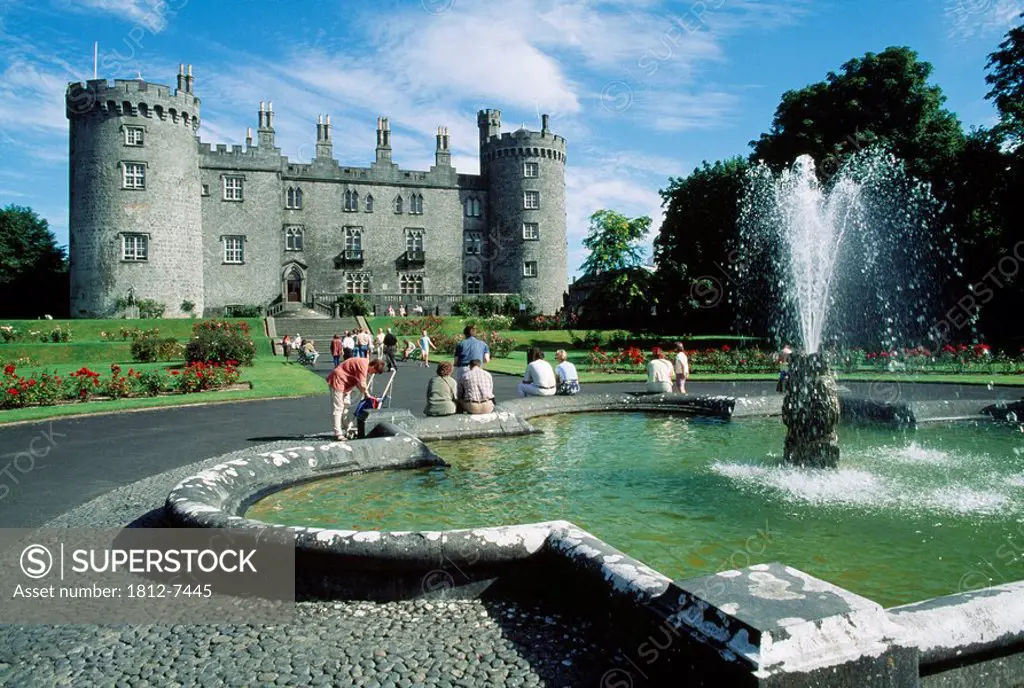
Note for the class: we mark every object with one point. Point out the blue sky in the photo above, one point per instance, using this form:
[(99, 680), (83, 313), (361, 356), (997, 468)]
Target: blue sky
[(643, 90)]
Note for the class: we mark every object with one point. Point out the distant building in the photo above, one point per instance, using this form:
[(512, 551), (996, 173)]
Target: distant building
[(155, 211)]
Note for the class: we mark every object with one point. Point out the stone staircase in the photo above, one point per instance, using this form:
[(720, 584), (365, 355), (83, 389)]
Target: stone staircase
[(319, 329)]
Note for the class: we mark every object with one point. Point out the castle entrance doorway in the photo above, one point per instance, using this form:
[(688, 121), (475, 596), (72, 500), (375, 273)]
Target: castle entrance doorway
[(294, 287)]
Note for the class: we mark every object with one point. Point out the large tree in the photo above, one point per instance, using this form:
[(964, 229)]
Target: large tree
[(33, 269), (1006, 77), (695, 248), (614, 242), (879, 98)]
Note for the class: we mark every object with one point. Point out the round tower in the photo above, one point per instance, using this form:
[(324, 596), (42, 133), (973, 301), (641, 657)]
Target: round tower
[(525, 173), (135, 227)]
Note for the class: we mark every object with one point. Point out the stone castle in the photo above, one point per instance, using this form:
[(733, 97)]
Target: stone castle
[(157, 214)]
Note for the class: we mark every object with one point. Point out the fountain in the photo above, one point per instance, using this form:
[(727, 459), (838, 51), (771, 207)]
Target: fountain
[(842, 248)]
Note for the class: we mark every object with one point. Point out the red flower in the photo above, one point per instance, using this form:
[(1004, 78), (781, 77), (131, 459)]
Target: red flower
[(725, 347), (13, 392), (9, 369)]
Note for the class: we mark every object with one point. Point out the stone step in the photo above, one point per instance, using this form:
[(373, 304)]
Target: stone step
[(320, 330)]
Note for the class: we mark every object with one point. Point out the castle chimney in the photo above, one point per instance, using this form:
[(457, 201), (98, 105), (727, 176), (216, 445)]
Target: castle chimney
[(442, 158), (248, 137), (544, 124), (266, 130), (189, 80), (181, 78), (383, 139), (324, 147)]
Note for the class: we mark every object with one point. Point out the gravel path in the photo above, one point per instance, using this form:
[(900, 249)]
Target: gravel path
[(409, 643)]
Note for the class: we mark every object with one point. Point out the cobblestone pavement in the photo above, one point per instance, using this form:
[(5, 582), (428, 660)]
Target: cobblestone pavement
[(409, 643), (414, 643)]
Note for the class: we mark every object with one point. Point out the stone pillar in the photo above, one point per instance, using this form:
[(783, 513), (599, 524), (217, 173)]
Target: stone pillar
[(810, 411)]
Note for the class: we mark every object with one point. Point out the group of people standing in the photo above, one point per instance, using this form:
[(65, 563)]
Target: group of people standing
[(363, 344), (416, 310)]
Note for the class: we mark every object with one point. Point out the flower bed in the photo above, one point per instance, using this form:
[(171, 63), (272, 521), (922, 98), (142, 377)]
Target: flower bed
[(978, 358), (44, 389), (55, 335)]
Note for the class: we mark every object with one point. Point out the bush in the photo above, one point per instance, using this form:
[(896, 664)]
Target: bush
[(499, 345), (188, 307), (200, 376), (414, 326), (352, 305), (147, 348), (495, 322), (591, 340), (243, 311), (486, 306), (221, 341), (148, 308), (9, 334)]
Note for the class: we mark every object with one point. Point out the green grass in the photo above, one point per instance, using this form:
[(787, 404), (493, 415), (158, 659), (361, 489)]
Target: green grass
[(270, 376), (89, 330)]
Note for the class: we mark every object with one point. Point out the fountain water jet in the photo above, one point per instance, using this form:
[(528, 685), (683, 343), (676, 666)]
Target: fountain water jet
[(857, 253)]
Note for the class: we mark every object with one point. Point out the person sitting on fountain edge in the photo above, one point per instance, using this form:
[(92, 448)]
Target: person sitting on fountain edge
[(476, 390), (659, 373), (782, 358)]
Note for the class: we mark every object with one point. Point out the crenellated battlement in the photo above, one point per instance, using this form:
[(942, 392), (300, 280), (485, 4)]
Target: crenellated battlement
[(523, 144), (132, 97)]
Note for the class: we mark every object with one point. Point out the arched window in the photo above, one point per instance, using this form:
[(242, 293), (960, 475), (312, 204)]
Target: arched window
[(298, 197), (293, 238), (357, 283), (472, 207), (398, 205), (416, 204), (294, 198), (369, 203), (474, 284), (351, 201)]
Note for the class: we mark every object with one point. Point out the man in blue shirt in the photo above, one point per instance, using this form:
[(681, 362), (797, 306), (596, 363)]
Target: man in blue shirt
[(469, 349)]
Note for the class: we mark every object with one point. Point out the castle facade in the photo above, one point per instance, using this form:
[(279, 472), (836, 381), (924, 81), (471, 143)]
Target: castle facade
[(157, 214)]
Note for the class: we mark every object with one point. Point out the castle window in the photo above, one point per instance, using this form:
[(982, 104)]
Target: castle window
[(234, 250), (398, 205), (369, 203), (414, 240), (474, 241), (357, 283), (233, 188), (294, 198), (134, 175), (353, 238), (206, 190), (529, 268), (293, 238), (416, 204), (531, 200), (410, 284), (531, 169), (531, 231), (135, 247), (351, 201), (474, 284), (472, 207), (133, 136)]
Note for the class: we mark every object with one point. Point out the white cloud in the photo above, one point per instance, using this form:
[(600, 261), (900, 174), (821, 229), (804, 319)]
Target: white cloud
[(153, 15), (969, 19)]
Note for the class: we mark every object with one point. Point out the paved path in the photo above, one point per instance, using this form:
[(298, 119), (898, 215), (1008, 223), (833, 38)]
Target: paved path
[(78, 459)]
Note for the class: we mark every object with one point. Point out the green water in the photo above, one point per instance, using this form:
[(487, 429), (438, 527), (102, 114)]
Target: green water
[(908, 516)]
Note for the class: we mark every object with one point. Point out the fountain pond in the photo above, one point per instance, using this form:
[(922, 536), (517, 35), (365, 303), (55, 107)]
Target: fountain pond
[(907, 517)]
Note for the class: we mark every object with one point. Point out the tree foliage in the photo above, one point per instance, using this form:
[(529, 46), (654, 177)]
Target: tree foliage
[(614, 242), (1006, 78), (879, 98), (33, 268)]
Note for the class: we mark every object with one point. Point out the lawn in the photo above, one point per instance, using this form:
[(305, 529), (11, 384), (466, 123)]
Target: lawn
[(89, 330), (270, 376)]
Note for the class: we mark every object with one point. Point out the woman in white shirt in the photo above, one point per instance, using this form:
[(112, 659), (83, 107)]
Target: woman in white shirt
[(659, 373), (568, 380), (539, 378)]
